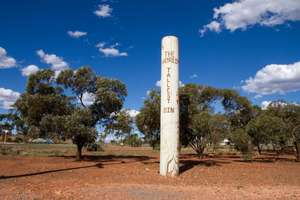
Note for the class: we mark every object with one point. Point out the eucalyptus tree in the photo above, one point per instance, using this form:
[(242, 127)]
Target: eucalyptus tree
[(105, 100), (148, 120), (70, 105), (199, 125), (267, 129), (121, 125), (290, 114), (42, 97)]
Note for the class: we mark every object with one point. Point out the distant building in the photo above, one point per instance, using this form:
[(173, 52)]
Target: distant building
[(225, 142)]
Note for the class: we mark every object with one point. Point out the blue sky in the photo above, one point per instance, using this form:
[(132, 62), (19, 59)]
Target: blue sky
[(121, 39)]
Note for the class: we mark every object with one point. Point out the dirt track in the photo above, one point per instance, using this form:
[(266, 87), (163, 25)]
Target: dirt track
[(136, 177)]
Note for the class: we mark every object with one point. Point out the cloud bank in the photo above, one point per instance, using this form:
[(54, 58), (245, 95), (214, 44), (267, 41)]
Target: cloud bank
[(30, 69), (56, 63), (242, 14), (274, 79)]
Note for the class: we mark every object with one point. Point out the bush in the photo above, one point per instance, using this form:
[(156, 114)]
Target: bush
[(133, 141), (242, 143), (9, 139), (94, 147), (19, 139), (113, 142)]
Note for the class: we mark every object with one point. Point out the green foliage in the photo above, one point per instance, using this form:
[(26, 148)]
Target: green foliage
[(79, 127), (192, 100), (42, 98), (121, 125), (133, 140), (219, 128), (94, 147), (80, 82), (199, 126), (195, 100), (200, 134), (148, 120), (238, 109), (19, 139), (42, 83), (33, 133), (53, 112), (53, 126), (290, 114), (55, 108), (207, 129), (109, 98), (242, 142), (265, 129)]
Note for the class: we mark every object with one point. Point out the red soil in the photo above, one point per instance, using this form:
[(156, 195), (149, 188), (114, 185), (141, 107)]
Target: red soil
[(136, 177)]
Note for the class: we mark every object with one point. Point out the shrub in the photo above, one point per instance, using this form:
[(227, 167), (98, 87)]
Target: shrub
[(94, 147), (242, 143), (133, 141), (19, 139)]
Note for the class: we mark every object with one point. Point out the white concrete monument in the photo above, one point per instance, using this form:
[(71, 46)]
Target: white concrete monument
[(169, 124)]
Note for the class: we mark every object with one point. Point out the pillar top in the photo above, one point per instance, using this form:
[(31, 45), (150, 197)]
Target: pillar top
[(169, 37)]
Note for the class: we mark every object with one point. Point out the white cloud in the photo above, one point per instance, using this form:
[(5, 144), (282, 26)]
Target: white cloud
[(30, 69), (212, 26), (274, 79), (5, 60), (133, 113), (88, 99), (76, 34), (104, 10), (241, 14), (56, 63), (110, 51), (8, 98), (193, 76), (265, 104)]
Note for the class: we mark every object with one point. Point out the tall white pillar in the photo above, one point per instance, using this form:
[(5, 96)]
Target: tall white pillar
[(169, 124)]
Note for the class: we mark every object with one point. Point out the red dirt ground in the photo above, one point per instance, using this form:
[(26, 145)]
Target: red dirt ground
[(136, 177)]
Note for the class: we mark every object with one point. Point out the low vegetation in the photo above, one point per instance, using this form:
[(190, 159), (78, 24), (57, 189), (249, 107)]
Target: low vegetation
[(246, 126), (82, 107)]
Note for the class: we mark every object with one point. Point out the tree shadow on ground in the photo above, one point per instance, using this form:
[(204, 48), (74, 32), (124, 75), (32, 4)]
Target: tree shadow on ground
[(267, 160), (101, 161), (186, 165), (99, 165), (269, 157), (188, 161), (110, 158), (150, 162)]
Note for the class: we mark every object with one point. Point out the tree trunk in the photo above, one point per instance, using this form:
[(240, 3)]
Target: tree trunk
[(5, 136), (259, 149), (79, 152), (297, 145)]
